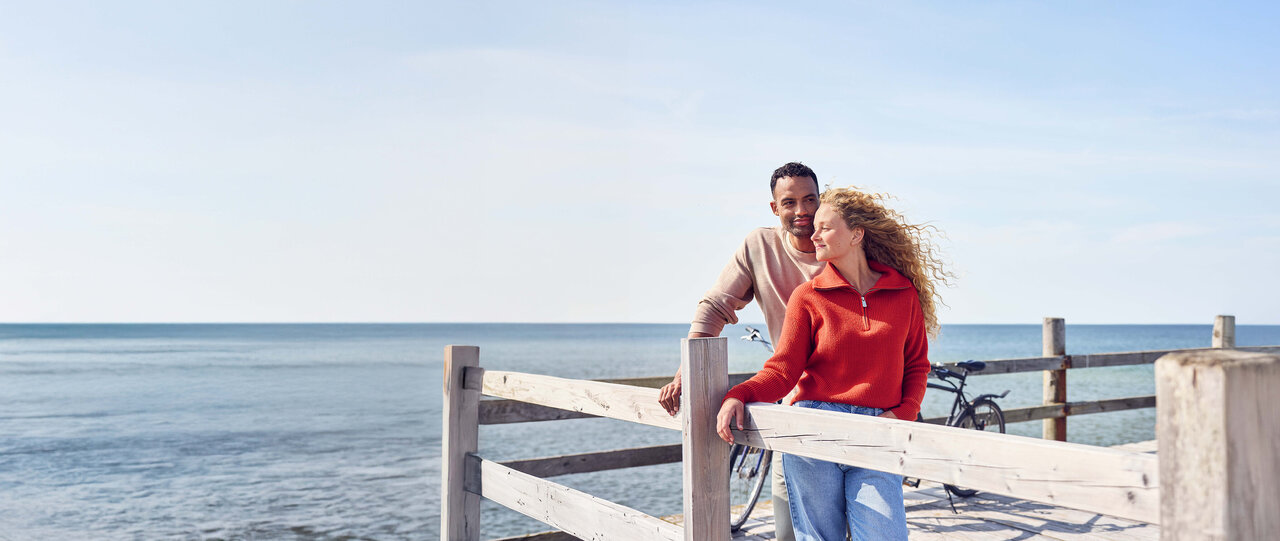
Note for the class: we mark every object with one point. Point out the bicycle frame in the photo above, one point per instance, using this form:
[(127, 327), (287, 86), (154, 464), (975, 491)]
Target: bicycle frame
[(961, 402)]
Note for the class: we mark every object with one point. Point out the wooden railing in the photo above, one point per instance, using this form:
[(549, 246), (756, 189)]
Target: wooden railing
[(1056, 362), (1234, 400)]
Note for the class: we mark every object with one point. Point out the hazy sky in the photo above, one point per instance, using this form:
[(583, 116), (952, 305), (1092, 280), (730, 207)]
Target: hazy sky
[(1106, 162)]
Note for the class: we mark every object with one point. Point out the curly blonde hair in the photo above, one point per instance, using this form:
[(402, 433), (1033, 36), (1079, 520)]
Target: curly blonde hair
[(890, 240)]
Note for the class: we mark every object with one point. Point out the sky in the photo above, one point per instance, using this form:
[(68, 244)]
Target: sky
[(289, 161)]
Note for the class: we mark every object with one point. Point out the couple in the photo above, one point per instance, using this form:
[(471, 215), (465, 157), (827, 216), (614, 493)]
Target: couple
[(846, 287)]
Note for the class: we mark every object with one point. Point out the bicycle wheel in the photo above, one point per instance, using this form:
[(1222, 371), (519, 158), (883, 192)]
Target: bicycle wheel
[(748, 473), (984, 415)]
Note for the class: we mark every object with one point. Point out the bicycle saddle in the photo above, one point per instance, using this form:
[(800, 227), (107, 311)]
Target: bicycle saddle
[(972, 366)]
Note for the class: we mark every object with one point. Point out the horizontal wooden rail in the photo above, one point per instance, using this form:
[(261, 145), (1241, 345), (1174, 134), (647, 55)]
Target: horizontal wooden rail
[(1108, 481), (1091, 360), (612, 400), (599, 461), (578, 513), (1035, 413), (502, 411)]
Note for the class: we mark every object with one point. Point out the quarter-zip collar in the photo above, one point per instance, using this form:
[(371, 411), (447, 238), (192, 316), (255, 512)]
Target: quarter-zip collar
[(830, 279)]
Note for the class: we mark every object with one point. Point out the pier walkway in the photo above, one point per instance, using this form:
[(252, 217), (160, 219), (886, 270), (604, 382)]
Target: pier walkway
[(983, 517)]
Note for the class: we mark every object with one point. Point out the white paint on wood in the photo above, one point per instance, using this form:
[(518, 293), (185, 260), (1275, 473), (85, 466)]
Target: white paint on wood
[(1218, 435), (580, 514), (704, 368), (1224, 332), (459, 509), (1054, 340), (624, 402), (1101, 480)]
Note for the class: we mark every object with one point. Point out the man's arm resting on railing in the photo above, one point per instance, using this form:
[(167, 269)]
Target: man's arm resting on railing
[(669, 395)]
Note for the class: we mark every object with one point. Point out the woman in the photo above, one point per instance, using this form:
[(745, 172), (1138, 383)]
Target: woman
[(855, 340)]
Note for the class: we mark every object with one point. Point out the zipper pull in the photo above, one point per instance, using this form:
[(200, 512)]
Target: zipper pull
[(866, 323)]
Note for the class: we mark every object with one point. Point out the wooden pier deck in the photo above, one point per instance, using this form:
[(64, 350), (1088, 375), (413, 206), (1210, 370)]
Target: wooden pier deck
[(987, 517), (983, 517)]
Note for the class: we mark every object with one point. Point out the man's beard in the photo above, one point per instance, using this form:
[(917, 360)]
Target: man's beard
[(803, 232)]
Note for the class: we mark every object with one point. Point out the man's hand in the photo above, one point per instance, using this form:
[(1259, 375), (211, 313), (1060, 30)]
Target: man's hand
[(669, 396), (730, 410)]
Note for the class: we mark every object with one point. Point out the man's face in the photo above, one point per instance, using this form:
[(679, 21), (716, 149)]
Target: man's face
[(795, 199)]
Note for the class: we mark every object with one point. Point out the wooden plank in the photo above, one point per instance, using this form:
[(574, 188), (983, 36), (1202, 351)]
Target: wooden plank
[(1218, 432), (1054, 341), (1033, 413), (459, 509), (1224, 332), (623, 402), (1036, 520), (1090, 360), (541, 536), (577, 513), (1012, 366), (1116, 483), (704, 365), (502, 411), (598, 461), (1111, 404)]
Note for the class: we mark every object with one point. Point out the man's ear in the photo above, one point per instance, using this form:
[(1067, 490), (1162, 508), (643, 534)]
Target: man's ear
[(773, 205)]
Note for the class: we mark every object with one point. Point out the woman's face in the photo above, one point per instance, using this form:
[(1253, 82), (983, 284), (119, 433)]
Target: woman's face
[(831, 236)]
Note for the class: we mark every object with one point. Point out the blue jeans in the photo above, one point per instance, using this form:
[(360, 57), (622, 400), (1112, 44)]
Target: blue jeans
[(826, 496)]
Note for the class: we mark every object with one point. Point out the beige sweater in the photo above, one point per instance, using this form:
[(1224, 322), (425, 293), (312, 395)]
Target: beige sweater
[(767, 268)]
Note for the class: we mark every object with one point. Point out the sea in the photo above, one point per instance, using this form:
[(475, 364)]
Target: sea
[(332, 431)]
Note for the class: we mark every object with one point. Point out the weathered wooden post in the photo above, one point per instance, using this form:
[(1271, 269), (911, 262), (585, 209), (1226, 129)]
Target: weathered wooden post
[(459, 509), (1224, 332), (704, 364), (1218, 436), (1054, 339)]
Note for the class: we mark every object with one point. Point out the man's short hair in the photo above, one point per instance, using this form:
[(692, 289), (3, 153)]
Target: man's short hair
[(795, 170)]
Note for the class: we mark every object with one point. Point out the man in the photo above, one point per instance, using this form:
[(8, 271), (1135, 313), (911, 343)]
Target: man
[(768, 266)]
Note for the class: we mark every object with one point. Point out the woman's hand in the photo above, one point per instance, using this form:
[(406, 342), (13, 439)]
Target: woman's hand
[(730, 410), (888, 415)]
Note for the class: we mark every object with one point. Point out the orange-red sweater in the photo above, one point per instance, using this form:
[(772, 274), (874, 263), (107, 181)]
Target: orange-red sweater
[(864, 350)]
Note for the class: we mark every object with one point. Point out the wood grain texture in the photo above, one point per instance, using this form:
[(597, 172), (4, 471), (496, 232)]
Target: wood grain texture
[(704, 365), (1035, 413), (1054, 341), (598, 461), (1218, 436), (459, 509), (577, 513), (1117, 483), (1091, 360), (1224, 332), (504, 411), (623, 402)]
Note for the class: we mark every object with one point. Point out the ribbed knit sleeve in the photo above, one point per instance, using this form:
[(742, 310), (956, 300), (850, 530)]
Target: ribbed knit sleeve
[(783, 369), (732, 292), (915, 367)]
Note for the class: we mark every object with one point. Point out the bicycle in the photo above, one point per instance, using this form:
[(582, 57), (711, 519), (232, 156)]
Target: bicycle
[(981, 414), (748, 467)]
